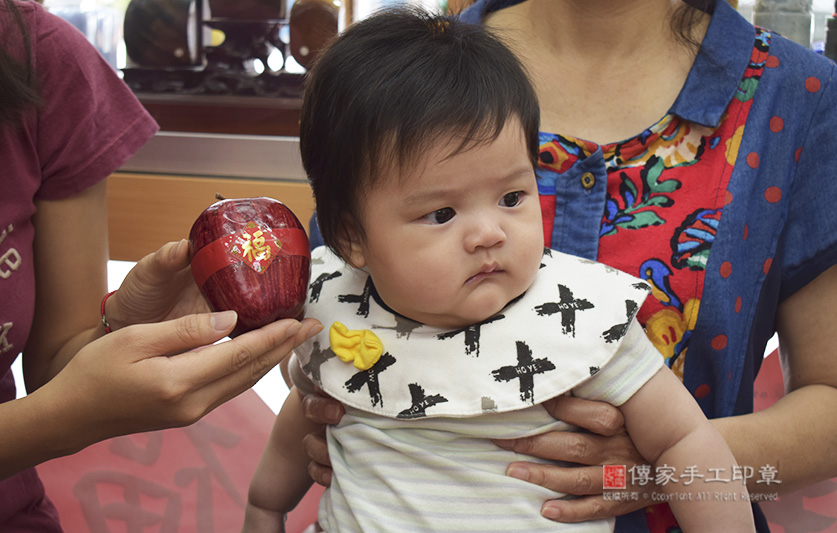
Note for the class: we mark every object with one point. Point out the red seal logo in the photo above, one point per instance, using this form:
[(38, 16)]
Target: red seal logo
[(254, 246), (614, 477)]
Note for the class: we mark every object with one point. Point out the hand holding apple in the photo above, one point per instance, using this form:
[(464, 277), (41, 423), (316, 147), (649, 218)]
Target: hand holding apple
[(251, 255)]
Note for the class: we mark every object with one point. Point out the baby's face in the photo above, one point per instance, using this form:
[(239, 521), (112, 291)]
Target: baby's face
[(458, 238)]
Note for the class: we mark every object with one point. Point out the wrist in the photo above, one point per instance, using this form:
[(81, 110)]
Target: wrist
[(260, 519), (111, 317)]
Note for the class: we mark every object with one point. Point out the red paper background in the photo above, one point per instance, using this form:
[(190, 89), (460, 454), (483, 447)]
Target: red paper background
[(188, 480)]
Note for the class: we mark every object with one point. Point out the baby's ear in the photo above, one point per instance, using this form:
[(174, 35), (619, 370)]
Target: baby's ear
[(351, 248)]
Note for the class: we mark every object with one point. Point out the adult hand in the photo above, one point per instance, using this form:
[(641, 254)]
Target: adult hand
[(160, 375), (160, 287), (322, 409), (605, 441)]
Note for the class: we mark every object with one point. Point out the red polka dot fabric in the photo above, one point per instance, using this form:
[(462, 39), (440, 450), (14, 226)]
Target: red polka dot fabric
[(698, 204)]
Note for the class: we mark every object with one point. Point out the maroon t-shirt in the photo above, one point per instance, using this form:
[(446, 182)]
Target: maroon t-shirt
[(89, 125)]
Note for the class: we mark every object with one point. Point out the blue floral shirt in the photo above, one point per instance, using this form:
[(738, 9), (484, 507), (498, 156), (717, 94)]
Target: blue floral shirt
[(725, 206)]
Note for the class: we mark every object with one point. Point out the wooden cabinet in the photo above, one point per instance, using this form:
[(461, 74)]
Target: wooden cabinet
[(147, 210), (224, 114)]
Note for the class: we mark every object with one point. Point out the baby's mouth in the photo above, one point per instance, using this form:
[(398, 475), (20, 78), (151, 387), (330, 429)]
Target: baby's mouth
[(485, 272)]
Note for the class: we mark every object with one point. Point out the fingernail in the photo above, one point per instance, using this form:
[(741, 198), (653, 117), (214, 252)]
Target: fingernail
[(551, 512), (332, 413), (518, 473), (177, 249), (293, 329), (224, 320), (316, 329)]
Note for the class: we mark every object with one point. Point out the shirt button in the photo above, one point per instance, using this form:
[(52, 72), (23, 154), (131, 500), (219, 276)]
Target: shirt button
[(588, 180)]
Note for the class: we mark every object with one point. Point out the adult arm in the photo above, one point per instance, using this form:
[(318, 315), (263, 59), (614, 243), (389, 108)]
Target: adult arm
[(804, 417), (141, 378), (804, 414), (160, 287), (70, 254), (86, 386)]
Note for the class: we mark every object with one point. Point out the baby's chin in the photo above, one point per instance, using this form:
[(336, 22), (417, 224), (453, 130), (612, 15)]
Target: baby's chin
[(463, 321), (451, 322)]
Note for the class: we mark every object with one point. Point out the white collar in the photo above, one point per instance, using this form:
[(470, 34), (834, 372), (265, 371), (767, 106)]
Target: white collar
[(560, 332)]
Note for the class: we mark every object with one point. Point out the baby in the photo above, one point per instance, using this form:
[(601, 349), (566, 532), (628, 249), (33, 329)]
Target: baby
[(448, 324)]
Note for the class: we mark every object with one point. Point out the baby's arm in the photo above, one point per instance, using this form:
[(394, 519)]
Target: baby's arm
[(668, 427), (281, 478)]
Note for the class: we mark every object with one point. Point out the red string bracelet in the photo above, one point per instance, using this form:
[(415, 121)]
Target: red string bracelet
[(104, 319)]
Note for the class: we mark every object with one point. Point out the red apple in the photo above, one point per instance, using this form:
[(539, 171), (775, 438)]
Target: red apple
[(251, 255)]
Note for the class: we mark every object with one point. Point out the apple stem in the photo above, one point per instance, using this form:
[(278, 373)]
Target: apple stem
[(219, 196)]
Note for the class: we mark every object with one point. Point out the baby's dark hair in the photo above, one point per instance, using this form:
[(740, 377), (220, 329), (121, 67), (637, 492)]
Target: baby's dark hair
[(388, 89)]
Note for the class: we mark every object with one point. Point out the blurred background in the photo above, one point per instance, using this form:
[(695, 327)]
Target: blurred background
[(102, 20)]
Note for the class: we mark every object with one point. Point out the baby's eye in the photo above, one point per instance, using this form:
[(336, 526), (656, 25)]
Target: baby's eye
[(440, 216), (511, 199)]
